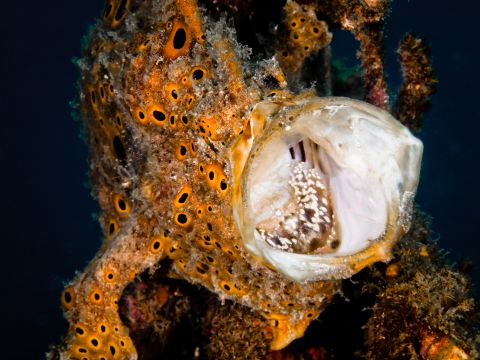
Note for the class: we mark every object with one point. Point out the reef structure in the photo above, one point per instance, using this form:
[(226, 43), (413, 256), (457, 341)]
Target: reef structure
[(177, 115)]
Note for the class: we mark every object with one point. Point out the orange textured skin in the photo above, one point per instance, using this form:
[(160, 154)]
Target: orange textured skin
[(162, 105), (304, 35)]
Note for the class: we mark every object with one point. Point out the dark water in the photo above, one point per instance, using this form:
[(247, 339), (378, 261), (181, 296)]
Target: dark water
[(48, 230)]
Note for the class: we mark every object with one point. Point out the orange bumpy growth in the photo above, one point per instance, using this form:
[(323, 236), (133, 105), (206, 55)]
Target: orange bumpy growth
[(304, 35), (162, 105)]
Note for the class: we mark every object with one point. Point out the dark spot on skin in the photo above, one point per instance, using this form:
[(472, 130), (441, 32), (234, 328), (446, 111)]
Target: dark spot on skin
[(183, 198), (211, 175), (156, 245), (122, 205), (182, 218), (183, 150), (223, 185), (79, 331), (119, 149), (226, 287), (179, 39), (159, 115), (122, 9), (67, 297), (197, 74)]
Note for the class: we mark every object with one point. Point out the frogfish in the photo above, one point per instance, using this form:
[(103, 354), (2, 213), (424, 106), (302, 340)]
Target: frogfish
[(201, 155)]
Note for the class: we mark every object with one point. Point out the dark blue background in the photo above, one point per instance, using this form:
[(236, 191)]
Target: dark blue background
[(48, 227)]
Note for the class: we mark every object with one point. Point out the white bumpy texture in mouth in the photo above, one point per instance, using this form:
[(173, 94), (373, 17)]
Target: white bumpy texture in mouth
[(306, 223), (325, 180)]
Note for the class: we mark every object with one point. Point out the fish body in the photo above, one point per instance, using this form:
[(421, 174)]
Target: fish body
[(168, 101)]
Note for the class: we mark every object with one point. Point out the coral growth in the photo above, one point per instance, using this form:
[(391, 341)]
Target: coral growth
[(364, 19), (303, 36), (419, 82), (426, 301), (163, 313)]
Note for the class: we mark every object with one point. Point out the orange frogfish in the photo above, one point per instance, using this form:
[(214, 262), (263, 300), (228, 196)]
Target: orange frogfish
[(202, 155)]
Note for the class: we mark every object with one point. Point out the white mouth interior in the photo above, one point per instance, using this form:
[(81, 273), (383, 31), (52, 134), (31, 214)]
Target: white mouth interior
[(303, 202), (343, 168)]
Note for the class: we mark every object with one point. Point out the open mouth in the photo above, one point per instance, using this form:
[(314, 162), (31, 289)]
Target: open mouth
[(325, 186)]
